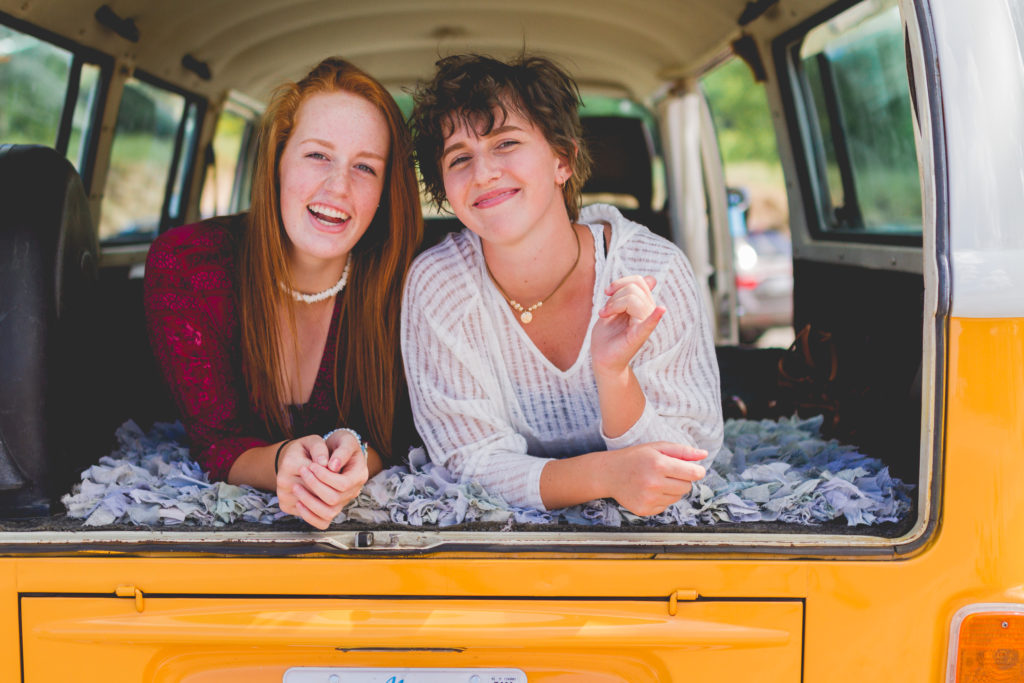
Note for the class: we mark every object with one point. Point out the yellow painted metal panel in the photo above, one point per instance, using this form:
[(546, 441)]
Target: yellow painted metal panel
[(69, 638), (10, 656), (866, 619), (890, 620)]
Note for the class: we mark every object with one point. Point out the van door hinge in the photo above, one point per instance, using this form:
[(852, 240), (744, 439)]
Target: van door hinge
[(685, 594), (130, 591)]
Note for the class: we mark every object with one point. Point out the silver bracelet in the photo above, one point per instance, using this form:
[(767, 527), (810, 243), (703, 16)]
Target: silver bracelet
[(359, 439)]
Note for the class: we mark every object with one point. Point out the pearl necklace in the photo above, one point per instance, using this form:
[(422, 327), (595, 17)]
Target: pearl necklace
[(320, 296), (526, 312)]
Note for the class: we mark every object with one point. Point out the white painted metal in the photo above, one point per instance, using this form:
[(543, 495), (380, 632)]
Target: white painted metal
[(251, 46), (680, 116), (981, 64)]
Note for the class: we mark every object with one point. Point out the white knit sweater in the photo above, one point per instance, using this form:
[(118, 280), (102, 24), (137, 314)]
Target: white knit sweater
[(490, 407)]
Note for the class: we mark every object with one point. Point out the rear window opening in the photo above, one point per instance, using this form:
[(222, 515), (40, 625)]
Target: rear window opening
[(148, 483), (825, 438)]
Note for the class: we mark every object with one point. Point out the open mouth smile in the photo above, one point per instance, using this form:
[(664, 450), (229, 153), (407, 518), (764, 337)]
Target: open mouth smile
[(327, 215)]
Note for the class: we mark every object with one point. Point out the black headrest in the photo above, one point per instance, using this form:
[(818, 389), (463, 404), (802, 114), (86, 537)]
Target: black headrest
[(42, 197), (623, 151)]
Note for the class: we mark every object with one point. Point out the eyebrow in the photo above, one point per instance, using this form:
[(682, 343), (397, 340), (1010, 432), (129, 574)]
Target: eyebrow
[(327, 143), (494, 131)]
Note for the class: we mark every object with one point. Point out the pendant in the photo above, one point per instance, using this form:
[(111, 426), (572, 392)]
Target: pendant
[(526, 317)]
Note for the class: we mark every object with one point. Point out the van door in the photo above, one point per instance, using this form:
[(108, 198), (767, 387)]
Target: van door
[(191, 638)]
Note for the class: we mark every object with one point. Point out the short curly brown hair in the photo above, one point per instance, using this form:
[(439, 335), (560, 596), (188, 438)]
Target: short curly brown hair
[(470, 89)]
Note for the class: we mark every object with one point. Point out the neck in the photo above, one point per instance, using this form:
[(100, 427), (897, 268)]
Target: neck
[(528, 269), (309, 275)]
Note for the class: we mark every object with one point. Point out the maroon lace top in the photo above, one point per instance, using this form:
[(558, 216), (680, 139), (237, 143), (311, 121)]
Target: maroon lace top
[(194, 331)]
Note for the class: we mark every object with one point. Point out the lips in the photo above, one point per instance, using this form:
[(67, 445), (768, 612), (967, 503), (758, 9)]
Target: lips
[(495, 197), (328, 215)]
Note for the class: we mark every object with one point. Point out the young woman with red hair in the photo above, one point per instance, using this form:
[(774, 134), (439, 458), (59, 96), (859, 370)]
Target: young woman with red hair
[(277, 330)]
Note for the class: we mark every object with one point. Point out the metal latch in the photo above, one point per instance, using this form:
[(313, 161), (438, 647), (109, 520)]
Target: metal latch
[(685, 594), (130, 591)]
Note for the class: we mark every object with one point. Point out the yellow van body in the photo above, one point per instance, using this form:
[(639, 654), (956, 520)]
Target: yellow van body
[(157, 616), (945, 602)]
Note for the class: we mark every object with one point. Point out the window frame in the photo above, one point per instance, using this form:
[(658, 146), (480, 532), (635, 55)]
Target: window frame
[(192, 103), (80, 55), (804, 136), (241, 187), (241, 179)]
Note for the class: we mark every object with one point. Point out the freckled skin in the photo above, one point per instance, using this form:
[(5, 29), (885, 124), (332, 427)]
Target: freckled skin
[(334, 162)]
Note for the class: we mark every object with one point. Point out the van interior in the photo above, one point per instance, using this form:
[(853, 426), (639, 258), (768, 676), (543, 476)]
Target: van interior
[(152, 112)]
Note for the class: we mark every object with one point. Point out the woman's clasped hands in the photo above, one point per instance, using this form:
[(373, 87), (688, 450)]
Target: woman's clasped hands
[(317, 478)]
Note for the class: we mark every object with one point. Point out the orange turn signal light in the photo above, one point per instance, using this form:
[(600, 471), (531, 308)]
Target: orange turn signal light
[(987, 644)]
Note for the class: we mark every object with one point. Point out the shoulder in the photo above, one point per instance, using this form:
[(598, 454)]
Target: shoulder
[(444, 281), (456, 251), (208, 243), (446, 276), (633, 247), (199, 257)]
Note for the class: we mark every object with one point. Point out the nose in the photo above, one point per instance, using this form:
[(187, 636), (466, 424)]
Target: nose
[(338, 182), (485, 169)]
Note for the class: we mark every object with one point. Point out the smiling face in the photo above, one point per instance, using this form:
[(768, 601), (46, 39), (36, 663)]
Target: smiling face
[(504, 184), (331, 173)]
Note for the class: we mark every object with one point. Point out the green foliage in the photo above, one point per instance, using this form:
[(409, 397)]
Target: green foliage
[(146, 109), (739, 109), (33, 83), (863, 70)]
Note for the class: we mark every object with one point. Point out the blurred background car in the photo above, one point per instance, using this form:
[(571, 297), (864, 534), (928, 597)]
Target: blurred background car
[(764, 272)]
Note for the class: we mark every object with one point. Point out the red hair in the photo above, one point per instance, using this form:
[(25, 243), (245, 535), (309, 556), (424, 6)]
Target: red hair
[(369, 380)]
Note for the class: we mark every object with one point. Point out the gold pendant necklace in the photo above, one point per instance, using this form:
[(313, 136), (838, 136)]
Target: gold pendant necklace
[(526, 313)]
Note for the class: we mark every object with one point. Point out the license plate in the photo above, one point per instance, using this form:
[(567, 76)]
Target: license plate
[(393, 675)]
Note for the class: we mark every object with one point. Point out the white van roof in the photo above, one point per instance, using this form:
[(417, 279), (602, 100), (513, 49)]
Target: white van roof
[(249, 46)]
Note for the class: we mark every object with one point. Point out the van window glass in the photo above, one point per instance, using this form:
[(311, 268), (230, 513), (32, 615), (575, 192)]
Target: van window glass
[(81, 121), (33, 83), (857, 97), (140, 162), (174, 206), (221, 174)]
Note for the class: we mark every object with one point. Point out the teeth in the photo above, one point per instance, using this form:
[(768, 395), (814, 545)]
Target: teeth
[(329, 212)]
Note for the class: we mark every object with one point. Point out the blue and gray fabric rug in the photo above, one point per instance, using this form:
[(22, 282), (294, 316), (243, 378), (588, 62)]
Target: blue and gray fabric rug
[(769, 471)]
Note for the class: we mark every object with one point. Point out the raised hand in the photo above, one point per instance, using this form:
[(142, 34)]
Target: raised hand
[(625, 322)]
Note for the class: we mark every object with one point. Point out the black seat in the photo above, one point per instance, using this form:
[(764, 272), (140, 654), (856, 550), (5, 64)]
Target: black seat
[(48, 387), (623, 153)]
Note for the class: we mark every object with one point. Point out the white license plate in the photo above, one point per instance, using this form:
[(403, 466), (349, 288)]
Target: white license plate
[(311, 674)]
